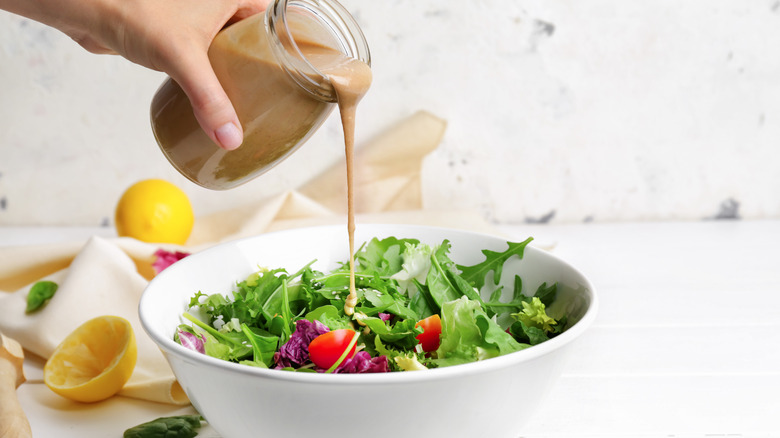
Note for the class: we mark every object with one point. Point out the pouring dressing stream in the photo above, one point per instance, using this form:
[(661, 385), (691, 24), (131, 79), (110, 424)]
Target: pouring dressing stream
[(351, 80)]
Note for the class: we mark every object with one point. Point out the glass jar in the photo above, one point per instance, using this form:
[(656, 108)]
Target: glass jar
[(280, 97)]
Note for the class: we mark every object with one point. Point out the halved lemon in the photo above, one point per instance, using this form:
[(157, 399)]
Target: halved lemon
[(93, 362)]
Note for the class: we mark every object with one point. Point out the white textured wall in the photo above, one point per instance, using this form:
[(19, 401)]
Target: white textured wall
[(562, 110)]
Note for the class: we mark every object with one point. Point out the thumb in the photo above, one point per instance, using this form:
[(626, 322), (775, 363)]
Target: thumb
[(211, 106)]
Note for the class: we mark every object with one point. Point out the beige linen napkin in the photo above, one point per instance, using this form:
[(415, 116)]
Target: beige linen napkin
[(101, 279), (107, 276)]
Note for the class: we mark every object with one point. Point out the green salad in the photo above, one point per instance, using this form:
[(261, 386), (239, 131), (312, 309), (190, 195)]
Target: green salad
[(416, 309)]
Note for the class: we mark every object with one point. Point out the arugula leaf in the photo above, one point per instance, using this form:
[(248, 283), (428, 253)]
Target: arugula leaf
[(266, 296), (278, 326), (40, 294), (559, 327), (228, 346), (386, 302), (546, 294), (422, 302), (439, 284), (331, 286), (286, 312), (524, 333), (462, 286), (494, 306), (494, 261), (264, 345), (181, 426)]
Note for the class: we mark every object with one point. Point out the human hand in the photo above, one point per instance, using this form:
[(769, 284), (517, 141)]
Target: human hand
[(172, 36)]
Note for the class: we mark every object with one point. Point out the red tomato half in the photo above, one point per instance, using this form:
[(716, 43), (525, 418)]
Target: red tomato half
[(429, 338), (327, 348)]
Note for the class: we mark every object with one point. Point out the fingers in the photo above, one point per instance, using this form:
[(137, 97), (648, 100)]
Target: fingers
[(251, 7), (210, 104), (181, 51), (248, 8)]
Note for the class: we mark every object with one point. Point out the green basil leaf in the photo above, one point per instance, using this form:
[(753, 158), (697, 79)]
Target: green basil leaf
[(40, 294)]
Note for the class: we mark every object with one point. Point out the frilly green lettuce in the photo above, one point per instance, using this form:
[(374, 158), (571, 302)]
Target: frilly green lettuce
[(534, 315), (468, 334)]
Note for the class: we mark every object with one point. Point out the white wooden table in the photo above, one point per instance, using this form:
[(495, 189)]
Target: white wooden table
[(686, 344)]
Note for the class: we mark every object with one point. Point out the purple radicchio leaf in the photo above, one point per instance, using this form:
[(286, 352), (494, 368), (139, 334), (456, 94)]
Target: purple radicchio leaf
[(164, 258), (295, 352), (385, 316), (192, 342), (362, 362)]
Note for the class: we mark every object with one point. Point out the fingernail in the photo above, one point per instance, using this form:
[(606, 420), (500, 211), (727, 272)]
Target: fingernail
[(229, 136)]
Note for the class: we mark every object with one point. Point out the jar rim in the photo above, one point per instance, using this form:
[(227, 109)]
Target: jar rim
[(335, 18)]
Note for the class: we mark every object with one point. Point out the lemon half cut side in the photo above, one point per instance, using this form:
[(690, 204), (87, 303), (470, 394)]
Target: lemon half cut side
[(94, 361)]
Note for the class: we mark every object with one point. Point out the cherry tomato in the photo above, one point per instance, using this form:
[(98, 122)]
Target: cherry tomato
[(327, 348), (429, 338)]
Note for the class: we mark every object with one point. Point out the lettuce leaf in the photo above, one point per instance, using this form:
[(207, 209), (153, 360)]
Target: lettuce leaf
[(534, 315), (468, 334), (382, 257), (416, 263)]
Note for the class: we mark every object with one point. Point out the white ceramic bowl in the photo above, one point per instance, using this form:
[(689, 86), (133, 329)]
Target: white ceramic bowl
[(492, 398)]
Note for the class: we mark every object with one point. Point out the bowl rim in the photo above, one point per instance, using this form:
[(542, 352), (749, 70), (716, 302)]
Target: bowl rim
[(169, 346)]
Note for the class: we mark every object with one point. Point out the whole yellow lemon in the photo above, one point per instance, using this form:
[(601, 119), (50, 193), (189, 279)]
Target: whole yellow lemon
[(155, 211)]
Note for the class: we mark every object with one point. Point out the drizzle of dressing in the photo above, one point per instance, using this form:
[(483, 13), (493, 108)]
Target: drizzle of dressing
[(351, 79)]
